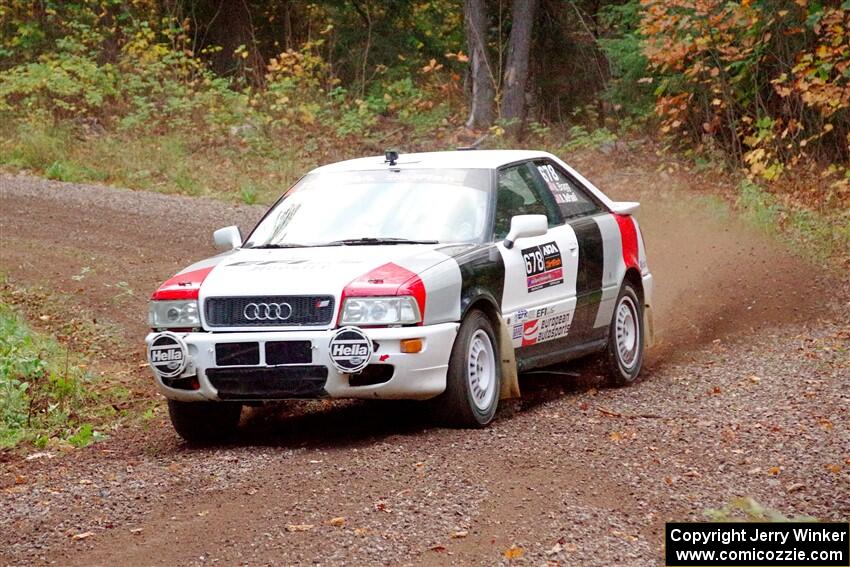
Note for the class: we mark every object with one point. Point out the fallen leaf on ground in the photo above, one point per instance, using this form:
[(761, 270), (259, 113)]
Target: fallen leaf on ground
[(459, 534), (203, 513), (299, 527), (439, 548), (39, 455), (754, 379), (83, 535), (833, 468), (338, 521), (20, 479), (773, 470), (513, 552), (135, 531)]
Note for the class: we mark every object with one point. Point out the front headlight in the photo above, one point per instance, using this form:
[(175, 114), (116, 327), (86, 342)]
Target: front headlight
[(173, 314), (402, 310)]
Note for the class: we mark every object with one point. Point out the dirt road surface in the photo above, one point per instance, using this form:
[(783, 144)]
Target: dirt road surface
[(746, 394)]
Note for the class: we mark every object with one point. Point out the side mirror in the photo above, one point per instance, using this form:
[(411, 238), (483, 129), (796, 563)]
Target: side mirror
[(525, 226), (227, 238)]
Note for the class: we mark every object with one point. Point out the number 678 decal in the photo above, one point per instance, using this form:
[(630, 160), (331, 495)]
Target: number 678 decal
[(543, 266)]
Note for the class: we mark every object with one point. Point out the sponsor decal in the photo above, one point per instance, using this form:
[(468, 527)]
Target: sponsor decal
[(350, 350), (517, 332), (530, 330), (167, 355), (560, 189), (543, 266), (554, 327), (536, 331), (522, 314)]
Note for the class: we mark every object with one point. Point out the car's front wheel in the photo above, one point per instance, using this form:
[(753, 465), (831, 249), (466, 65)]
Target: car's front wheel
[(623, 357), (474, 378), (204, 422)]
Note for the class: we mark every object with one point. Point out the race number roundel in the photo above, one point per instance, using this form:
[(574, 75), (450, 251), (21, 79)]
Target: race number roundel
[(167, 355), (350, 350)]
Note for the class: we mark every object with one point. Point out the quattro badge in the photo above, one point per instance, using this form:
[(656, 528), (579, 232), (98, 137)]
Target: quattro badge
[(350, 350), (167, 355)]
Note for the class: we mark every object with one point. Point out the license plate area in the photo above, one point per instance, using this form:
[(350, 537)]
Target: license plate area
[(288, 352)]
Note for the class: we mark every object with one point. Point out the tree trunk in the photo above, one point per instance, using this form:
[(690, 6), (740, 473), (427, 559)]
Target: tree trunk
[(481, 72), (513, 108), (227, 24)]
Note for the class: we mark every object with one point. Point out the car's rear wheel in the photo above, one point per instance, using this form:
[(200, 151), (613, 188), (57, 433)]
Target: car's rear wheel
[(623, 357), (474, 377), (203, 423)]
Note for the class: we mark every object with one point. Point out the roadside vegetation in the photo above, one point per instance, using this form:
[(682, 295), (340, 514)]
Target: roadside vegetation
[(44, 391), (236, 100), (55, 393)]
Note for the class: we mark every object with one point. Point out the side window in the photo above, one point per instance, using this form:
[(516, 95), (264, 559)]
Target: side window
[(519, 192), (573, 201)]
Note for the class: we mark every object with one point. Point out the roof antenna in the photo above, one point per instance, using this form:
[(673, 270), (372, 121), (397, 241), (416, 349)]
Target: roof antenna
[(390, 157)]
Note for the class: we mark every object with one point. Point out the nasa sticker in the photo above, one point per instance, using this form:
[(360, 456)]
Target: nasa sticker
[(350, 350), (167, 355)]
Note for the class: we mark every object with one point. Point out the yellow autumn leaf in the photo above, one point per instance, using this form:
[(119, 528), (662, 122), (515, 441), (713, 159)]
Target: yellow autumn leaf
[(513, 552)]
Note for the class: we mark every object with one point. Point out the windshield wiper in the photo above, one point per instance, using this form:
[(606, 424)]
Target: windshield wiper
[(372, 240), (284, 245)]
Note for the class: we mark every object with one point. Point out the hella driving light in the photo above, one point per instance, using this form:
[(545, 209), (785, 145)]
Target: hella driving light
[(380, 311), (173, 314)]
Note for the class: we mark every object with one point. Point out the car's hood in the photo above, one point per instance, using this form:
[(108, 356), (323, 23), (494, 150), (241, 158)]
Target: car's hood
[(311, 271)]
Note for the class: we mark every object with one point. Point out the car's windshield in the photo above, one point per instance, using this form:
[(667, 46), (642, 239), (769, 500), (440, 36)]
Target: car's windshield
[(420, 205)]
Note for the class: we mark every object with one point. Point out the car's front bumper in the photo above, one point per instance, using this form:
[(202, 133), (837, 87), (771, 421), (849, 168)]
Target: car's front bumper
[(419, 375)]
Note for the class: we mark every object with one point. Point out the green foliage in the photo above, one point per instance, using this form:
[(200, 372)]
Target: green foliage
[(628, 88), (41, 391), (746, 509), (581, 138), (248, 193)]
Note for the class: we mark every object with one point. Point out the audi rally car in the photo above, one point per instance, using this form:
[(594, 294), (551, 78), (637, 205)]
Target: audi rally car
[(432, 276)]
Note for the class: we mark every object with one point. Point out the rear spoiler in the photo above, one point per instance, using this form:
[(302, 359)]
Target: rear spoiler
[(625, 207)]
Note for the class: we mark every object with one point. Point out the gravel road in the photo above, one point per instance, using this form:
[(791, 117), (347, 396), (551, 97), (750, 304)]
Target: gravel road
[(746, 394)]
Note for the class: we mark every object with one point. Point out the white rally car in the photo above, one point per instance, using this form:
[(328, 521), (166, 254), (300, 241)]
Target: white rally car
[(432, 276)]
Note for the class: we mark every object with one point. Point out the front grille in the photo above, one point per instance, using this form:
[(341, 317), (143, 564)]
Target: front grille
[(278, 383), (305, 310)]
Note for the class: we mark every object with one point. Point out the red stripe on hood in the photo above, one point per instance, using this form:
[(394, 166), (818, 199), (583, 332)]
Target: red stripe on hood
[(628, 235), (387, 280), (182, 286)]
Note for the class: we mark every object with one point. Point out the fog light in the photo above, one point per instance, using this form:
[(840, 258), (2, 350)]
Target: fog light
[(411, 346)]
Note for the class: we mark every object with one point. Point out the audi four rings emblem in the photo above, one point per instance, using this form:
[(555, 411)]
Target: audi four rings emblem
[(267, 311)]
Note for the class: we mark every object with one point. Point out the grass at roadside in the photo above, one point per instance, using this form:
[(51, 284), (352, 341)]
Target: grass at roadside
[(249, 169), (249, 166), (57, 389), (822, 236), (44, 391)]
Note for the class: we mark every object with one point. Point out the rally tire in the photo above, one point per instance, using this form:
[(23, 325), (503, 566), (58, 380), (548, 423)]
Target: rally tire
[(623, 356), (473, 381), (204, 423)]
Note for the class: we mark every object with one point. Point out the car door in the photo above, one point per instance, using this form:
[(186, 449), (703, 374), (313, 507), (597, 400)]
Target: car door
[(540, 272), (589, 220)]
